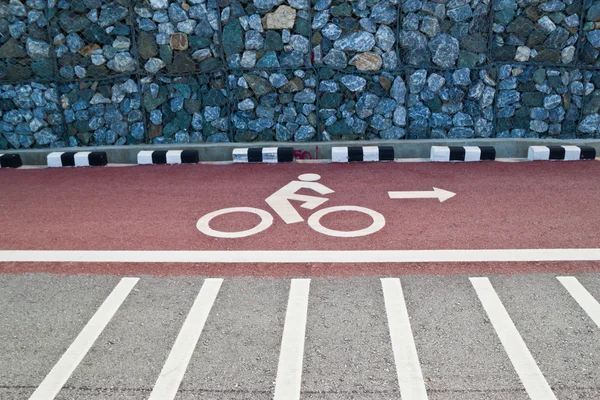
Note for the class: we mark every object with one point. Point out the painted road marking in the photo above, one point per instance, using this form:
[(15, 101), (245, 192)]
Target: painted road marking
[(300, 256), (535, 384), (436, 193), (266, 220), (289, 370), (314, 221), (408, 367), (63, 369), (174, 369), (582, 296)]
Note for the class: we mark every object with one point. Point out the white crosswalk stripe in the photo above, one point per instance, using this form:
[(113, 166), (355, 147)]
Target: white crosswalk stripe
[(172, 373), (396, 330), (63, 369), (536, 385), (582, 296)]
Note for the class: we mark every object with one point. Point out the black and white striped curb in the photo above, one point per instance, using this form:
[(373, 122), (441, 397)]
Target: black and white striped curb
[(77, 159), (363, 153), (10, 161), (462, 153), (146, 157), (565, 153), (263, 154)]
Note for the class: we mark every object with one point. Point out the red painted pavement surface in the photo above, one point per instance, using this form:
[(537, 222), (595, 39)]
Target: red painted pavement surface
[(497, 206)]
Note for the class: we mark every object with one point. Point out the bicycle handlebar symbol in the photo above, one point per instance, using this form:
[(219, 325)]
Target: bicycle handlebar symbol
[(280, 203)]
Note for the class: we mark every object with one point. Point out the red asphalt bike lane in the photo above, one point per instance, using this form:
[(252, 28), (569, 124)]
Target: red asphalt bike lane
[(525, 205)]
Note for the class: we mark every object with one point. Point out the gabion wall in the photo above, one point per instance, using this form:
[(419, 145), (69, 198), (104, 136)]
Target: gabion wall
[(116, 72)]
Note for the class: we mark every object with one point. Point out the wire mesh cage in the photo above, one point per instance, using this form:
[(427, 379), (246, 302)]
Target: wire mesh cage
[(178, 37), (537, 32), (362, 106), (30, 116), (451, 103), (538, 102), (266, 34), (190, 109), (445, 34), (274, 105), (25, 50), (101, 113), (356, 35)]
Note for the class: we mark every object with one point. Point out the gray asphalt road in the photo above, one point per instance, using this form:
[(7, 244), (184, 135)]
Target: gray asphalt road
[(348, 353)]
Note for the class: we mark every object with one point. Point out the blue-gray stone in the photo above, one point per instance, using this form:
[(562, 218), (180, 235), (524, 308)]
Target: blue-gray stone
[(385, 106), (508, 83), (353, 83), (137, 130), (278, 80), (552, 101), (45, 137), (460, 14), (196, 137), (269, 60), (331, 31), (13, 139), (336, 59), (506, 112), (260, 124), (177, 104), (483, 128), (440, 120), (393, 133), (119, 127), (444, 50), (594, 38), (462, 77), (398, 90), (156, 117), (96, 123), (539, 113), (552, 6), (504, 5), (305, 96), (380, 123), (590, 124), (111, 136), (146, 25), (177, 13), (417, 81), (305, 133), (182, 137), (410, 6), (26, 140), (360, 41), (282, 134), (435, 82), (211, 113), (291, 59), (73, 141), (419, 113), (367, 100), (538, 126), (384, 13), (111, 14), (462, 119), (508, 97), (461, 133), (557, 114), (197, 121), (13, 117)]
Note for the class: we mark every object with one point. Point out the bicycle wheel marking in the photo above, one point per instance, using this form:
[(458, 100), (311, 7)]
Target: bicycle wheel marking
[(314, 221), (266, 220)]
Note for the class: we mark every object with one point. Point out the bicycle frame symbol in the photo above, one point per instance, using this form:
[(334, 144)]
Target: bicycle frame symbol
[(280, 203)]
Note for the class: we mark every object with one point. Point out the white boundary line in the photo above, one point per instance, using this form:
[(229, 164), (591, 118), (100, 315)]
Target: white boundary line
[(582, 296), (535, 384), (289, 369), (301, 256), (408, 368), (174, 369), (63, 369)]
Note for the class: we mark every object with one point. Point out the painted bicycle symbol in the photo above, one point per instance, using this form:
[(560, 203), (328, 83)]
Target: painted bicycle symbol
[(280, 203)]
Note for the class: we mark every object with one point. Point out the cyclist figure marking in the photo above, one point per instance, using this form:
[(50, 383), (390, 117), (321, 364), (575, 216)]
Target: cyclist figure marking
[(280, 201)]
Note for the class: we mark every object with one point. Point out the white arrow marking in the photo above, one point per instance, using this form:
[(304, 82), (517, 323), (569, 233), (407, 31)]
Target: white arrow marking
[(436, 193)]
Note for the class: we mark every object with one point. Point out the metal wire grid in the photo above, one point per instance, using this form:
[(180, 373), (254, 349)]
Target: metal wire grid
[(139, 74)]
